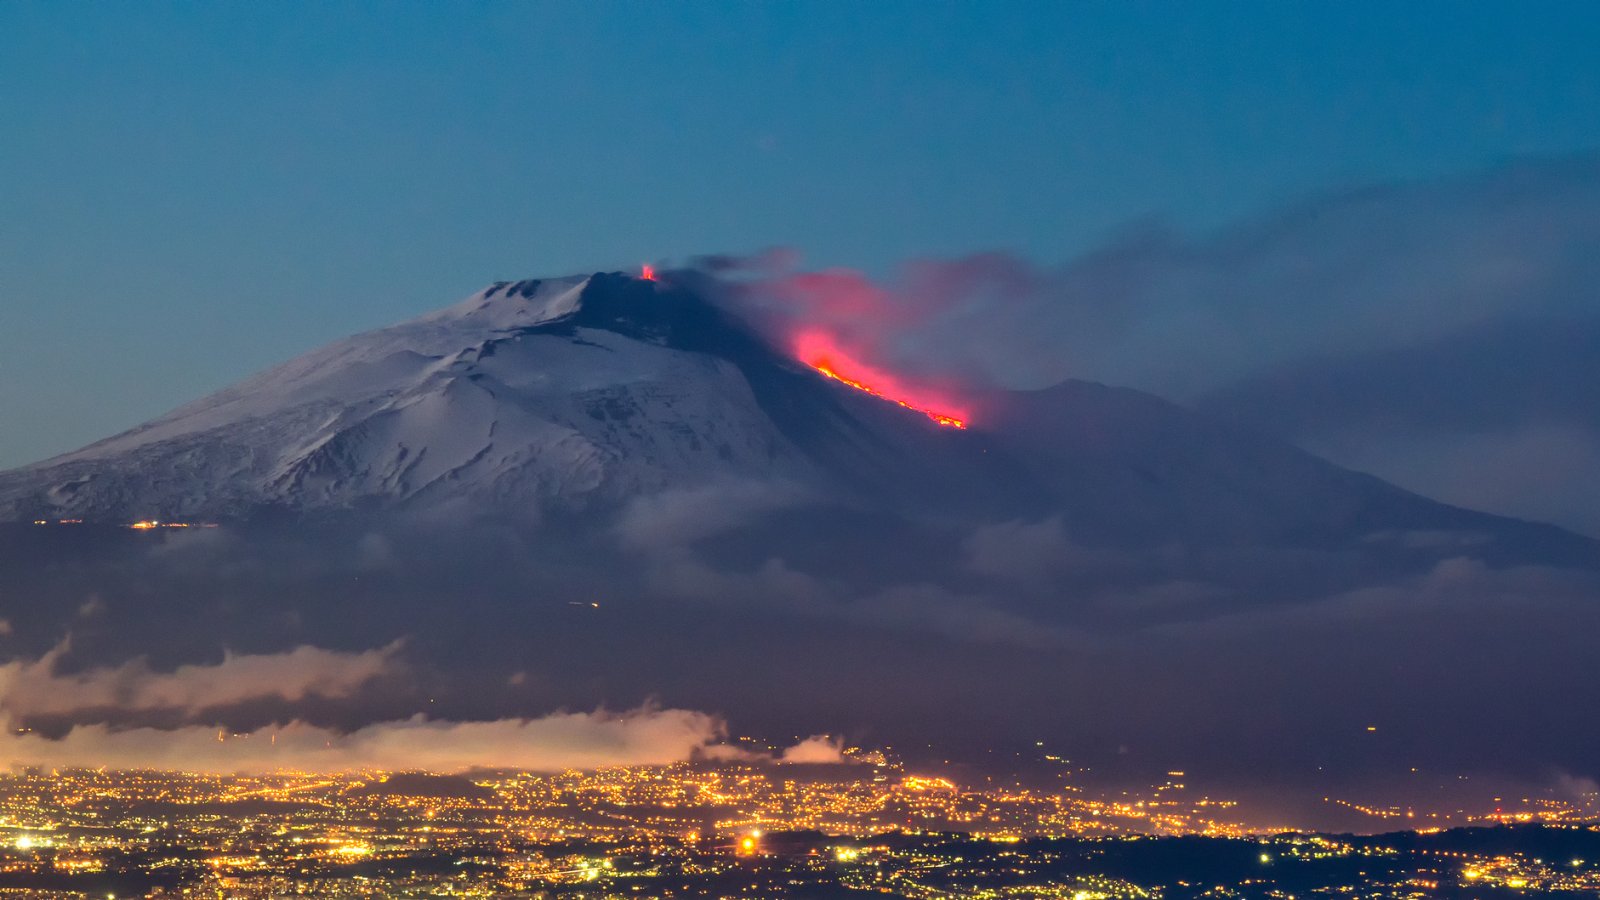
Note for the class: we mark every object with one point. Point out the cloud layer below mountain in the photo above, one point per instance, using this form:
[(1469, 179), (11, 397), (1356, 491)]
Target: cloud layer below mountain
[(136, 693), (644, 736)]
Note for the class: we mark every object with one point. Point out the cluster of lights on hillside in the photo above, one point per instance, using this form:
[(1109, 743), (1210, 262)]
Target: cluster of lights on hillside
[(141, 525)]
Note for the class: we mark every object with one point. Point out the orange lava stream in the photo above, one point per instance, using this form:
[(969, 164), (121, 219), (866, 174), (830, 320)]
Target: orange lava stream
[(648, 273), (941, 418)]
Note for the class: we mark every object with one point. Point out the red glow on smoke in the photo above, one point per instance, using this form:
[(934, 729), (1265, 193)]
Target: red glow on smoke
[(821, 352), (647, 272)]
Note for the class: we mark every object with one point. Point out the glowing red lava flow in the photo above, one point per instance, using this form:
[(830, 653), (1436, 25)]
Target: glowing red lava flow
[(648, 273), (820, 352), (941, 418)]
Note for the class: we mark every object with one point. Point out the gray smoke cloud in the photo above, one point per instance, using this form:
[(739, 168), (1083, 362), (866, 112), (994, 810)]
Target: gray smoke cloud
[(1385, 327)]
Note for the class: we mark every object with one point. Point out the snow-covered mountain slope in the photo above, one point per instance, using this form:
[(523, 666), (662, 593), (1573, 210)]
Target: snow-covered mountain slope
[(507, 399), (538, 398)]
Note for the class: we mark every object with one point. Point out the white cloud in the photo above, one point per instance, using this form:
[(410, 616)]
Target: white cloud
[(645, 736), (33, 687), (819, 748)]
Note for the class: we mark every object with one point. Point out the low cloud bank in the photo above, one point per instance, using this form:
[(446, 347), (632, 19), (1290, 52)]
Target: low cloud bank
[(644, 736)]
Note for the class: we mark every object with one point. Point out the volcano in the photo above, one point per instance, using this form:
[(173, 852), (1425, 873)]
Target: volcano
[(533, 400)]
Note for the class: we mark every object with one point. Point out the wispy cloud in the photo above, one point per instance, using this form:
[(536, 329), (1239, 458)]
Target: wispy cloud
[(37, 687)]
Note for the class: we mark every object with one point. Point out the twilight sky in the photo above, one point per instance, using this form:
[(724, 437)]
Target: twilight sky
[(190, 192)]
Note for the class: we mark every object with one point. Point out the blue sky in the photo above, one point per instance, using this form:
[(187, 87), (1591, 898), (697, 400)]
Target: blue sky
[(191, 192)]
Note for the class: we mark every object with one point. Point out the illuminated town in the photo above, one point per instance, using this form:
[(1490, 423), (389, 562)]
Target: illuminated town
[(741, 829)]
